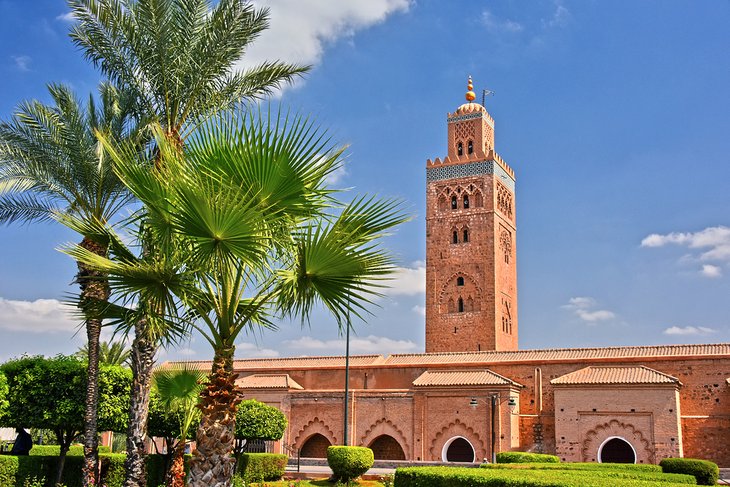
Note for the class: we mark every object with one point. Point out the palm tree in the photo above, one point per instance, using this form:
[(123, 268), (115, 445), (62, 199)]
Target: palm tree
[(261, 233), (177, 58), (110, 353), (179, 392), (51, 164)]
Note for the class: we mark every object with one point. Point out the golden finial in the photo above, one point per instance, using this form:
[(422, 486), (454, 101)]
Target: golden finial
[(470, 96)]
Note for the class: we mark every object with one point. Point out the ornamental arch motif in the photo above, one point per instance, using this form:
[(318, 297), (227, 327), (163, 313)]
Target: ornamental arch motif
[(385, 427), (313, 427), (460, 287), (453, 430), (597, 436)]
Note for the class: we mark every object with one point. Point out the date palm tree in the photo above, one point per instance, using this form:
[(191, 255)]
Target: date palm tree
[(177, 58), (110, 353), (263, 236), (179, 392), (52, 164)]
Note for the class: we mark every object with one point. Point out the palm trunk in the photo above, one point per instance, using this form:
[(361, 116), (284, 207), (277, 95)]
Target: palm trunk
[(142, 362), (94, 289), (176, 471), (212, 463)]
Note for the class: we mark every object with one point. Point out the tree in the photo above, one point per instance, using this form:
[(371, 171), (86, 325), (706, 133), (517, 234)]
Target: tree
[(51, 164), (4, 400), (257, 421), (177, 59), (110, 353), (49, 393), (179, 392), (246, 201)]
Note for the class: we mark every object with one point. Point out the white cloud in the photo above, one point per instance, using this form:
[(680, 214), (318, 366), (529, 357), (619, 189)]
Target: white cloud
[(251, 350), (68, 18), (358, 345), (689, 330), (39, 316), (421, 310), (408, 281), (22, 63), (497, 25), (582, 307), (187, 352), (711, 271), (336, 176), (300, 29), (560, 18)]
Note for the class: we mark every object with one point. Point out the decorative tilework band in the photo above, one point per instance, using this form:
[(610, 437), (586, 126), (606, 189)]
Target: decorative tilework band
[(440, 173), (469, 116)]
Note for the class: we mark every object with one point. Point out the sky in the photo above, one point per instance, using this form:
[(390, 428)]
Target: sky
[(613, 114)]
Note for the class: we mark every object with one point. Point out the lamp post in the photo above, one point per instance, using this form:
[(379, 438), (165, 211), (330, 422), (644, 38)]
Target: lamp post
[(494, 400), (347, 379)]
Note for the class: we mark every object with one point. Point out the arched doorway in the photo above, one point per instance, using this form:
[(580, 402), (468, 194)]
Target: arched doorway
[(315, 447), (385, 447), (458, 449), (616, 450)]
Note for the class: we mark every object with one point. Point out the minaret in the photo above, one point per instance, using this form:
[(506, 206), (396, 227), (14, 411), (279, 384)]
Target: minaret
[(471, 271)]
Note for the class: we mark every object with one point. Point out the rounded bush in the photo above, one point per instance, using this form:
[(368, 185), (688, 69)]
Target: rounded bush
[(349, 462), (523, 457), (706, 472)]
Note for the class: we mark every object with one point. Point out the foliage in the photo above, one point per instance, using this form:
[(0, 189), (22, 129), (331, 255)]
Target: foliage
[(470, 477), (639, 467), (3, 400), (349, 462), (523, 457), (55, 450), (257, 467), (110, 353), (178, 392), (706, 472), (258, 421)]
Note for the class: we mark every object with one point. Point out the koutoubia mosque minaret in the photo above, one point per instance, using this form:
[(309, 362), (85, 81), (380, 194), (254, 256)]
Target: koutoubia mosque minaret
[(471, 268)]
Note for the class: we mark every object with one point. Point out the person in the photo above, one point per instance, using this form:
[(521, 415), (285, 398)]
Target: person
[(23, 442)]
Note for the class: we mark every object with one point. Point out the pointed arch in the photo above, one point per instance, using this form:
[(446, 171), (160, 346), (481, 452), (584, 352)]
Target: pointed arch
[(452, 430), (614, 428), (385, 427), (314, 426)]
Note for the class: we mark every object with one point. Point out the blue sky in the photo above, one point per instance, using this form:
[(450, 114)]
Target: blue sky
[(614, 116)]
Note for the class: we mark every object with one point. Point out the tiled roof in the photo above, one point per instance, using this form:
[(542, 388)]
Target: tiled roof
[(615, 375), (285, 363), (560, 354), (268, 381), (461, 378)]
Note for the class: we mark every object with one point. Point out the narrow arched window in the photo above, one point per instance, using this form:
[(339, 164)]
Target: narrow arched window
[(454, 202), (459, 281), (466, 201), (461, 305), (466, 236), (455, 237), (459, 149), (470, 147)]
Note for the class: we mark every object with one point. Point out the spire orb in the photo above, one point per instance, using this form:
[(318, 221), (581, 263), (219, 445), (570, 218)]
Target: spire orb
[(470, 95)]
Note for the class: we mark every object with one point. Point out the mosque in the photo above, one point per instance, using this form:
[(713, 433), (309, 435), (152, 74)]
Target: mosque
[(473, 392)]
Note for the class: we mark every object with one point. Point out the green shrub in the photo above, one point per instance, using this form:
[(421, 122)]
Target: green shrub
[(8, 470), (349, 462), (523, 457), (112, 469), (706, 472), (256, 467), (641, 467), (55, 450), (470, 477)]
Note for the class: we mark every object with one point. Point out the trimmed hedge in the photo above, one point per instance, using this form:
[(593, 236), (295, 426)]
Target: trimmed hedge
[(257, 467), (55, 450), (349, 462), (523, 457), (469, 477), (706, 472), (632, 467)]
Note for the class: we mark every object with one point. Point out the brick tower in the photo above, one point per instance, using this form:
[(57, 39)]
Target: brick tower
[(471, 271)]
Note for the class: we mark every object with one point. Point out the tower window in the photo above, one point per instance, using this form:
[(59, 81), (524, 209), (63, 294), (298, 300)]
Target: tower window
[(455, 237), (466, 235), (460, 305), (470, 147), (466, 201), (459, 149), (460, 281), (454, 202)]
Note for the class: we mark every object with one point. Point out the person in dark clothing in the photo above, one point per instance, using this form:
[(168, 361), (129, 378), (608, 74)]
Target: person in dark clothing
[(23, 442)]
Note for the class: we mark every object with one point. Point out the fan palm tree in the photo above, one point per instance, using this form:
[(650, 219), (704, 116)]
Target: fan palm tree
[(110, 353), (177, 58), (262, 235), (51, 164), (179, 392)]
